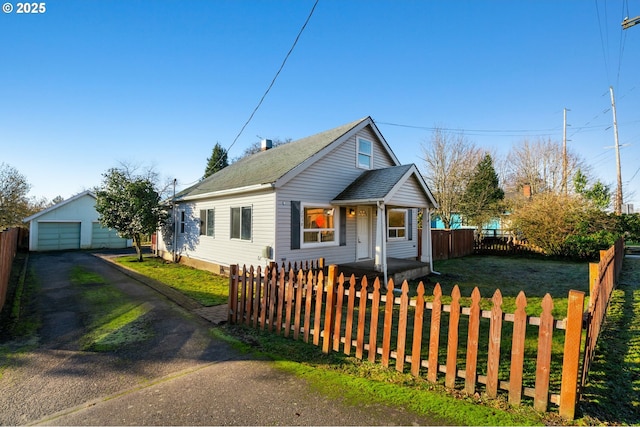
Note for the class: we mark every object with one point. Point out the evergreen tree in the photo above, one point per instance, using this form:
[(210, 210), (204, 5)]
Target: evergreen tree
[(217, 161), (482, 198), (599, 194)]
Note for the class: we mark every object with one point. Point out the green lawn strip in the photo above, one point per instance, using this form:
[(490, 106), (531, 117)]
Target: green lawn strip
[(203, 286), (353, 381), (113, 319)]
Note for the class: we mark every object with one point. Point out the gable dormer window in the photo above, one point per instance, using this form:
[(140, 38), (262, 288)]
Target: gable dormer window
[(365, 154)]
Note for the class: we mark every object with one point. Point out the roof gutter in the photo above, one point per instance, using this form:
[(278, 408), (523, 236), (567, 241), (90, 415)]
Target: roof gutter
[(222, 193)]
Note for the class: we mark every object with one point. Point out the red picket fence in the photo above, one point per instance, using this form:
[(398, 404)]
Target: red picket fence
[(603, 277), (8, 247), (427, 336)]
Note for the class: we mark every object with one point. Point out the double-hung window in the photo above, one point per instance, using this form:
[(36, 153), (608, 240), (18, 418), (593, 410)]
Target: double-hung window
[(319, 226), (365, 153), (183, 221), (207, 222), (397, 224), (241, 223)]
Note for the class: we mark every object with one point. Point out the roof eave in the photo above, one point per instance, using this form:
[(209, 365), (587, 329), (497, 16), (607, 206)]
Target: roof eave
[(222, 193), (58, 205)]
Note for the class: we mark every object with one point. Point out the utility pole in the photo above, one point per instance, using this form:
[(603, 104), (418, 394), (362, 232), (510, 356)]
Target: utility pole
[(564, 153), (618, 203), (628, 23)]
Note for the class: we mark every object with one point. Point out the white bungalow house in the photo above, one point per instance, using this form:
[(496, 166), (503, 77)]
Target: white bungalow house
[(341, 195), (72, 224)]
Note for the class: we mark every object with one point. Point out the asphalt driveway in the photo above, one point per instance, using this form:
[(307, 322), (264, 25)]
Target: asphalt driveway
[(182, 376)]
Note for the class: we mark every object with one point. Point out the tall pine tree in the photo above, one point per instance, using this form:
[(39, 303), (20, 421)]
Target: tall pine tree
[(217, 161), (482, 198)]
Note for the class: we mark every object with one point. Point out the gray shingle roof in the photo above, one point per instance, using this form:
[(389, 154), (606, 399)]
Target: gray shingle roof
[(268, 166), (373, 184)]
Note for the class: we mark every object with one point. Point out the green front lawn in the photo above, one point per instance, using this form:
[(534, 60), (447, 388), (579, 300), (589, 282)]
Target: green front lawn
[(535, 277), (203, 286)]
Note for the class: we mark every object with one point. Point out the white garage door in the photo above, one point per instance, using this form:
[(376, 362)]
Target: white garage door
[(55, 236), (106, 238)]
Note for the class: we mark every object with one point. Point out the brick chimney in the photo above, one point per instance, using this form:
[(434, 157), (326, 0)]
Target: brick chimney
[(526, 191), (267, 144)]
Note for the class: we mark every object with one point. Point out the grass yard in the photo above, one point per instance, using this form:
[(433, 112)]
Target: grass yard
[(203, 286), (535, 277), (113, 321)]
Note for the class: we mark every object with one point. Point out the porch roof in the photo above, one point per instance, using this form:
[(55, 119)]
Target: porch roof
[(378, 185)]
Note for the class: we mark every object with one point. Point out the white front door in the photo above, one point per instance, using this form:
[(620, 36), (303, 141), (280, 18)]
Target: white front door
[(363, 231)]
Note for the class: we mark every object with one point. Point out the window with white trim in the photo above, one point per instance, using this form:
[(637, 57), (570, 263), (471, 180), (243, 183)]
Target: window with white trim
[(319, 226), (207, 222), (241, 223), (397, 224), (365, 153)]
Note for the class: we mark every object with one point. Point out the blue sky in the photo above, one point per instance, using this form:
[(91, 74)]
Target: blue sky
[(92, 83)]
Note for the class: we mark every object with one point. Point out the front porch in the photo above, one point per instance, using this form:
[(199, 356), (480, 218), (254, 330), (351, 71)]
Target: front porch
[(397, 269)]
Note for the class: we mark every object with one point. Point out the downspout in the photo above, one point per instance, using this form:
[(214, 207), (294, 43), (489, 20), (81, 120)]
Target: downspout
[(382, 222), (175, 222)]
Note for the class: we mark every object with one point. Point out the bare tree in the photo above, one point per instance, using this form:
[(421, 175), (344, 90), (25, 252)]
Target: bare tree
[(449, 161), (539, 164)]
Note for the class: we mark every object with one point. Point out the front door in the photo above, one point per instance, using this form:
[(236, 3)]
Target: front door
[(363, 231)]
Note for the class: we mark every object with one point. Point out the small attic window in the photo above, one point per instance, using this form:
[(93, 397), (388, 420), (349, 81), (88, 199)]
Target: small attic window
[(365, 154)]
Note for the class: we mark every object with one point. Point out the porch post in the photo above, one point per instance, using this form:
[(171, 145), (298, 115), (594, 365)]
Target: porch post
[(380, 257)]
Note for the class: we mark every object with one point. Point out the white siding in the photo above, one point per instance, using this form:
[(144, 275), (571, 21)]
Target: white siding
[(221, 249), (410, 195), (81, 210), (320, 183)]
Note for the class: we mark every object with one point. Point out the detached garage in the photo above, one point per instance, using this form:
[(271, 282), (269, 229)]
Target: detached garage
[(71, 224)]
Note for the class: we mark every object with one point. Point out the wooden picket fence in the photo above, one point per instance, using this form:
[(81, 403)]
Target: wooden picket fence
[(603, 277), (8, 247), (424, 334)]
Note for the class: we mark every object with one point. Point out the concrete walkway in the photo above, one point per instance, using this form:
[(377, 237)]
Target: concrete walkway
[(182, 376)]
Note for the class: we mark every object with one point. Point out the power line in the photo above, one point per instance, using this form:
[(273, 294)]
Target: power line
[(273, 81), (604, 53), (505, 132), (275, 77)]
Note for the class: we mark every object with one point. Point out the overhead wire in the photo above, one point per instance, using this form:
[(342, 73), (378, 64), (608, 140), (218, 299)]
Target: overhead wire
[(295, 42), (604, 51), (478, 132)]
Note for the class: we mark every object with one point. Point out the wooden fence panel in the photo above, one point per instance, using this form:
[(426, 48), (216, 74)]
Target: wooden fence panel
[(472, 343), (450, 243), (602, 281), (402, 327), (517, 349), (452, 339), (388, 321), (434, 336), (338, 319), (362, 313), (373, 328), (350, 308), (571, 358), (543, 364), (495, 335), (326, 308), (418, 321)]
